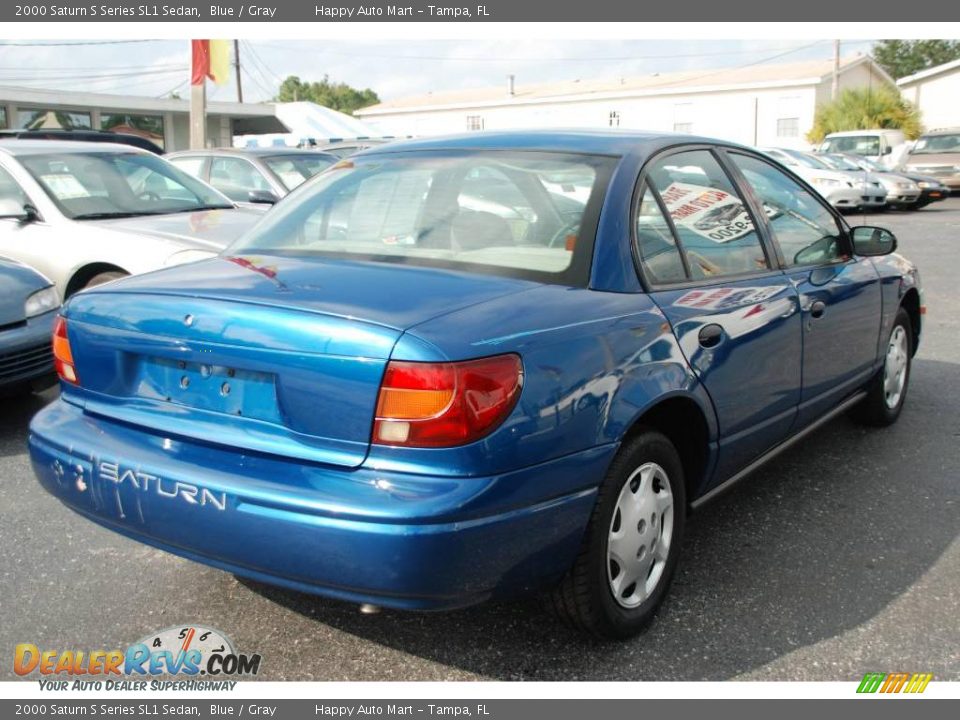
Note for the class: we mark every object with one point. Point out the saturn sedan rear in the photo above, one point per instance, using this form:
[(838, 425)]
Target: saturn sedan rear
[(454, 369)]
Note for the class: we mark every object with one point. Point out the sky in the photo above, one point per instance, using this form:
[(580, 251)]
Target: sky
[(393, 69)]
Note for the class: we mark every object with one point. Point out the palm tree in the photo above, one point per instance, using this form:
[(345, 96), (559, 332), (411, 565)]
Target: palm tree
[(866, 109)]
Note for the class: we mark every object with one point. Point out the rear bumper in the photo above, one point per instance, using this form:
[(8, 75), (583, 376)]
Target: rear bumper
[(405, 541)]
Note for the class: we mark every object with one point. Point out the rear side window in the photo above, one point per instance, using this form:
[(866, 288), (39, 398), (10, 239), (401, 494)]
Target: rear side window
[(713, 228), (655, 243), (191, 164)]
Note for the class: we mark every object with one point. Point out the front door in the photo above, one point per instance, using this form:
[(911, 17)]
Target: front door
[(839, 294)]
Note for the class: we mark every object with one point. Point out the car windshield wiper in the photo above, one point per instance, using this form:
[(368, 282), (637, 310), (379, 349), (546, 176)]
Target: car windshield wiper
[(197, 208), (106, 215)]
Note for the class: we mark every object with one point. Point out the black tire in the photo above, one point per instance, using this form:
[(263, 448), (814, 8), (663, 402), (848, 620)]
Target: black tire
[(584, 597), (875, 409), (104, 277)]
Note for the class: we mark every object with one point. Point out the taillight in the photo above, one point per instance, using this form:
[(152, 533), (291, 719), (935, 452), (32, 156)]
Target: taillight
[(445, 404), (62, 356)]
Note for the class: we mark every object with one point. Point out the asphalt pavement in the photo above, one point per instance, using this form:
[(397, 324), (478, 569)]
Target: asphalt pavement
[(839, 558)]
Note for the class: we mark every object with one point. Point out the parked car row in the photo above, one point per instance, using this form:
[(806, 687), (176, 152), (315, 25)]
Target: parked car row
[(853, 182)]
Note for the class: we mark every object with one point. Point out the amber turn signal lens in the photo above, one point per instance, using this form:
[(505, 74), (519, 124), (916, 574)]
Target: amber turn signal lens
[(62, 354)]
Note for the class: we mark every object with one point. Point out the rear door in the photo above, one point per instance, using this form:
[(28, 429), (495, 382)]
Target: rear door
[(839, 293), (735, 314)]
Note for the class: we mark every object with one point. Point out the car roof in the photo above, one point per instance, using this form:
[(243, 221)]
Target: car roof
[(17, 147), (598, 142), (871, 131), (255, 152), (942, 131)]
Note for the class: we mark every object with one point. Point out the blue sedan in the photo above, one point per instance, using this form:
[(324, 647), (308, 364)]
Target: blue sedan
[(28, 305), (454, 369)]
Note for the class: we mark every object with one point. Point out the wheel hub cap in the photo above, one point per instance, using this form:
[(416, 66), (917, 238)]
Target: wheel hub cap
[(640, 534), (895, 367)]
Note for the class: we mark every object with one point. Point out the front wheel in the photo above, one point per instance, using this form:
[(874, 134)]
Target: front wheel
[(630, 549), (888, 390)]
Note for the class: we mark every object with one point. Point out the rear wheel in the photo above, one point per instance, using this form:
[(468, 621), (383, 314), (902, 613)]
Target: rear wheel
[(888, 390), (631, 546), (104, 277)]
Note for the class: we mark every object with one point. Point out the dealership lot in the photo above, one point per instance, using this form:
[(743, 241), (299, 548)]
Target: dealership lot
[(839, 558)]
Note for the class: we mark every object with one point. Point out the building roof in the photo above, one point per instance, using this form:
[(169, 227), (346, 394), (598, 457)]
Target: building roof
[(17, 147), (929, 73), (690, 81)]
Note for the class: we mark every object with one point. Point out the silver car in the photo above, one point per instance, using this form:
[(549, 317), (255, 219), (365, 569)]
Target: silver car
[(843, 190), (87, 213), (902, 192)]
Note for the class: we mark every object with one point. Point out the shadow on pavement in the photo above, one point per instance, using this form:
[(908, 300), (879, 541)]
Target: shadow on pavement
[(817, 543)]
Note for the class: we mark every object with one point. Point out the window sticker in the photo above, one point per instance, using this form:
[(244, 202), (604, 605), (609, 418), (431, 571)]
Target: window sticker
[(709, 212), (65, 187)]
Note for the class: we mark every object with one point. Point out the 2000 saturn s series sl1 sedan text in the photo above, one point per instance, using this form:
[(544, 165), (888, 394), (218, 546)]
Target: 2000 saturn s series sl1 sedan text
[(451, 369)]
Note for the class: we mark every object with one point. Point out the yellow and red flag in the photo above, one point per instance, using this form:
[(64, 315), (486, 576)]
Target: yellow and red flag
[(211, 59)]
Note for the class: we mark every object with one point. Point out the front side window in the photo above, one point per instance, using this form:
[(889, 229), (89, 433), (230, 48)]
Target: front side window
[(716, 233), (236, 178), (805, 231), (516, 213), (91, 185), (11, 194)]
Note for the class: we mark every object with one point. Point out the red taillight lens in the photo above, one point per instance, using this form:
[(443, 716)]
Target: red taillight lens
[(62, 355), (445, 404)]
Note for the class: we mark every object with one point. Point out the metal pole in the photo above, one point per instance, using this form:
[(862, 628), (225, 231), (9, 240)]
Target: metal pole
[(836, 70), (236, 63), (198, 116)]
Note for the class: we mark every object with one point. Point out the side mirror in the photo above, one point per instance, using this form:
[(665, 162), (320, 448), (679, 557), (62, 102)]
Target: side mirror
[(873, 241), (265, 197), (10, 209), (887, 150)]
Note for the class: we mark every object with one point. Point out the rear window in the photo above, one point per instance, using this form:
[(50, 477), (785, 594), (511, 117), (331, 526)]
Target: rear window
[(527, 214)]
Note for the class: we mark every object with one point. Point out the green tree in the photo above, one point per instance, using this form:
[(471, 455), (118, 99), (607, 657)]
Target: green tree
[(865, 109), (905, 57), (334, 95)]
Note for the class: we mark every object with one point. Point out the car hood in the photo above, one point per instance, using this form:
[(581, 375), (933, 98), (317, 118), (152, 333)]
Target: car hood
[(16, 283), (202, 230), (922, 160), (386, 294)]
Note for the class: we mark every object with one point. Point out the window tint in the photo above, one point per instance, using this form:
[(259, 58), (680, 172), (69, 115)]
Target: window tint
[(235, 178), (806, 232), (715, 230), (655, 242)]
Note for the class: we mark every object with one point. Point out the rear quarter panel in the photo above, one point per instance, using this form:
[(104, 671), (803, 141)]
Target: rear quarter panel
[(593, 361)]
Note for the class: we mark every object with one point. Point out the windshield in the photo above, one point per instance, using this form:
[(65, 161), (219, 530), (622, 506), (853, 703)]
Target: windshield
[(839, 163), (294, 169), (934, 144), (505, 213), (853, 144), (90, 185)]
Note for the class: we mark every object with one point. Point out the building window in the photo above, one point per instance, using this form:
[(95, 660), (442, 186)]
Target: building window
[(145, 126), (3, 118), (614, 120), (683, 117), (474, 122), (788, 127), (52, 120)]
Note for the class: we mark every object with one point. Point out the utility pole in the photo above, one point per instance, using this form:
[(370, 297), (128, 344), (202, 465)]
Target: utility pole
[(836, 70), (236, 63), (198, 116)]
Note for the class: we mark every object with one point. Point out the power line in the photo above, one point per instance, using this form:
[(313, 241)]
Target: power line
[(5, 43)]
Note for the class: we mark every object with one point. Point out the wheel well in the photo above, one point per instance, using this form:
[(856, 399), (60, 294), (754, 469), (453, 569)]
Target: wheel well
[(82, 276), (684, 424), (911, 303)]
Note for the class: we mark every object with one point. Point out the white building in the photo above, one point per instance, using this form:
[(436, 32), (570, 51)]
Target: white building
[(935, 92), (759, 105)]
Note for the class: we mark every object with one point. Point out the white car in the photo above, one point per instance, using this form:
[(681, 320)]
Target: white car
[(886, 146), (87, 213), (843, 190)]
